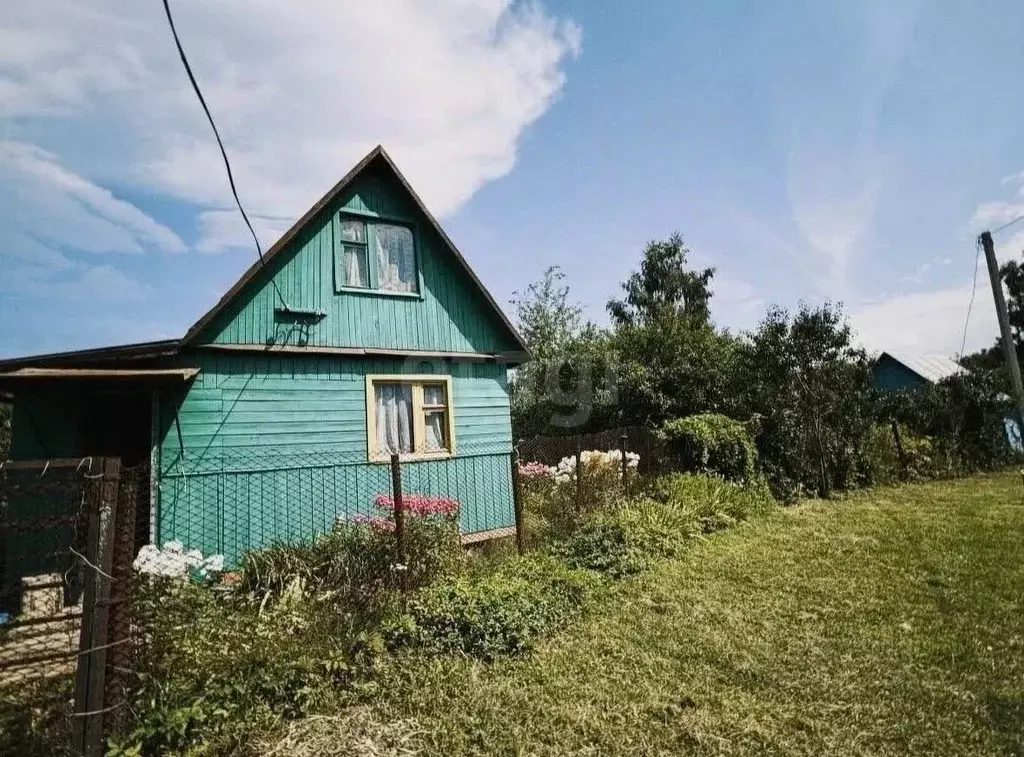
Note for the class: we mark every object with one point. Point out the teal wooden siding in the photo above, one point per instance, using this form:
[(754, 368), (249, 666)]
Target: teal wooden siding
[(449, 314), (274, 448)]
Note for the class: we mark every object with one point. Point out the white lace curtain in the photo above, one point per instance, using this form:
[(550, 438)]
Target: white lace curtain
[(394, 418), (355, 267), (396, 258)]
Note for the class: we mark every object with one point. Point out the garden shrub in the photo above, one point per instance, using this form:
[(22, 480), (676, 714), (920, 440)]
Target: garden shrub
[(602, 545), (880, 459), (657, 528), (214, 668), (559, 499), (495, 614), (711, 443), (711, 501), (358, 563)]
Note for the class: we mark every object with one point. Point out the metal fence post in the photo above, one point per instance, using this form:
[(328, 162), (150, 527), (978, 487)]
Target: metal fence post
[(399, 513), (579, 476), (517, 501), (101, 497), (625, 471)]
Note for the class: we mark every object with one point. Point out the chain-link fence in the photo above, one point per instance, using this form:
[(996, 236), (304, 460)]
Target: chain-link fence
[(225, 503), (56, 532), (75, 535)]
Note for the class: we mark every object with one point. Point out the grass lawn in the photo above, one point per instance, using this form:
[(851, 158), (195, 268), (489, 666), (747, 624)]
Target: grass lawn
[(886, 623)]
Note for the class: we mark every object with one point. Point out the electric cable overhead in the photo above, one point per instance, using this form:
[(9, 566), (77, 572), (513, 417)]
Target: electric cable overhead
[(220, 144), (974, 289), (1008, 224)]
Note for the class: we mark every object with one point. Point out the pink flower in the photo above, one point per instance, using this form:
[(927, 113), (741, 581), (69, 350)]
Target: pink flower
[(535, 470), (376, 522), (421, 505)]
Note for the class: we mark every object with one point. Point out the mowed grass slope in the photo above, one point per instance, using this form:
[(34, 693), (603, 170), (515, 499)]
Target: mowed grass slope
[(887, 623)]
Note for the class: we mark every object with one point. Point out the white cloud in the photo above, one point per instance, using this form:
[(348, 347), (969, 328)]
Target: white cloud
[(735, 302), (834, 198), (995, 214), (55, 223), (1014, 178), (221, 230), (300, 91), (1010, 248), (46, 200), (918, 276), (928, 322)]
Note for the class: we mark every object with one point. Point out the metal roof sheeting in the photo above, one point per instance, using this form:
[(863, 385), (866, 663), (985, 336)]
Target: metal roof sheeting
[(179, 374), (932, 368)]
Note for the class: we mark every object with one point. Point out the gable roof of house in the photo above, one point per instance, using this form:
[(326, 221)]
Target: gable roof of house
[(376, 156), (932, 368), (164, 348)]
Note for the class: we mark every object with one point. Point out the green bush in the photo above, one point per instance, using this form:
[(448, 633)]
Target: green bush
[(358, 563), (602, 545), (710, 501), (880, 459), (495, 614), (213, 669), (657, 529), (711, 443)]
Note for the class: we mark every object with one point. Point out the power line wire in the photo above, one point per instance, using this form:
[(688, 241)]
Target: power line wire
[(1008, 224), (974, 289), (220, 144)]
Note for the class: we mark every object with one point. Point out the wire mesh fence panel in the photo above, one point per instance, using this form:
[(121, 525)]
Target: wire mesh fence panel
[(551, 450), (247, 500), (43, 532)]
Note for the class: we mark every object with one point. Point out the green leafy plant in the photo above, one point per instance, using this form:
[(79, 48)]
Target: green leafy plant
[(711, 501), (358, 563), (214, 668), (711, 443), (602, 545), (658, 529), (498, 613)]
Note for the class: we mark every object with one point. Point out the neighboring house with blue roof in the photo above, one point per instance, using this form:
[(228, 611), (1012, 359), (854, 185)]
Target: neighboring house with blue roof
[(901, 371)]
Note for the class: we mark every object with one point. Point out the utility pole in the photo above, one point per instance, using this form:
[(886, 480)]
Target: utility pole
[(1004, 325)]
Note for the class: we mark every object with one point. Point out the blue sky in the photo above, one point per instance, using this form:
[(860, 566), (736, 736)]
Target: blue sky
[(849, 151)]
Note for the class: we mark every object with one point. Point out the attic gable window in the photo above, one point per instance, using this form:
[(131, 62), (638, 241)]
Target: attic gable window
[(376, 255)]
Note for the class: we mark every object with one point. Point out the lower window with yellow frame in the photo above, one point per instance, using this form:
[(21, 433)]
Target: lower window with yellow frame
[(409, 416)]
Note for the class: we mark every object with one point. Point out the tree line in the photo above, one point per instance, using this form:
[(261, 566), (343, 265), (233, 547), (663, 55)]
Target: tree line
[(798, 380)]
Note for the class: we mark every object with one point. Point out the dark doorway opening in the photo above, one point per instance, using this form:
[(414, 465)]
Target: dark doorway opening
[(118, 423)]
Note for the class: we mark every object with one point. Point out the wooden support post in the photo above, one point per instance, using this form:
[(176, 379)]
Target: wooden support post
[(625, 469), (517, 502), (579, 477), (1009, 350), (399, 515), (900, 453), (101, 501)]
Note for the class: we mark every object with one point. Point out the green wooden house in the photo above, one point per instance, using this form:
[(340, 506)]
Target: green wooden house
[(363, 333)]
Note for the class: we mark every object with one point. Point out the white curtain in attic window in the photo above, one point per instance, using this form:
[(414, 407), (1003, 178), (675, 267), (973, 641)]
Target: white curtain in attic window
[(355, 267), (394, 418), (396, 258)]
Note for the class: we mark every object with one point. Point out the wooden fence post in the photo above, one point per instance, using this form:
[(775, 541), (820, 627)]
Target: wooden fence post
[(399, 514), (901, 454), (579, 476), (517, 501), (625, 470), (101, 501)]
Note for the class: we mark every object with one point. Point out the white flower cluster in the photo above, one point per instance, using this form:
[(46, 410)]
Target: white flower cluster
[(175, 562), (594, 460)]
